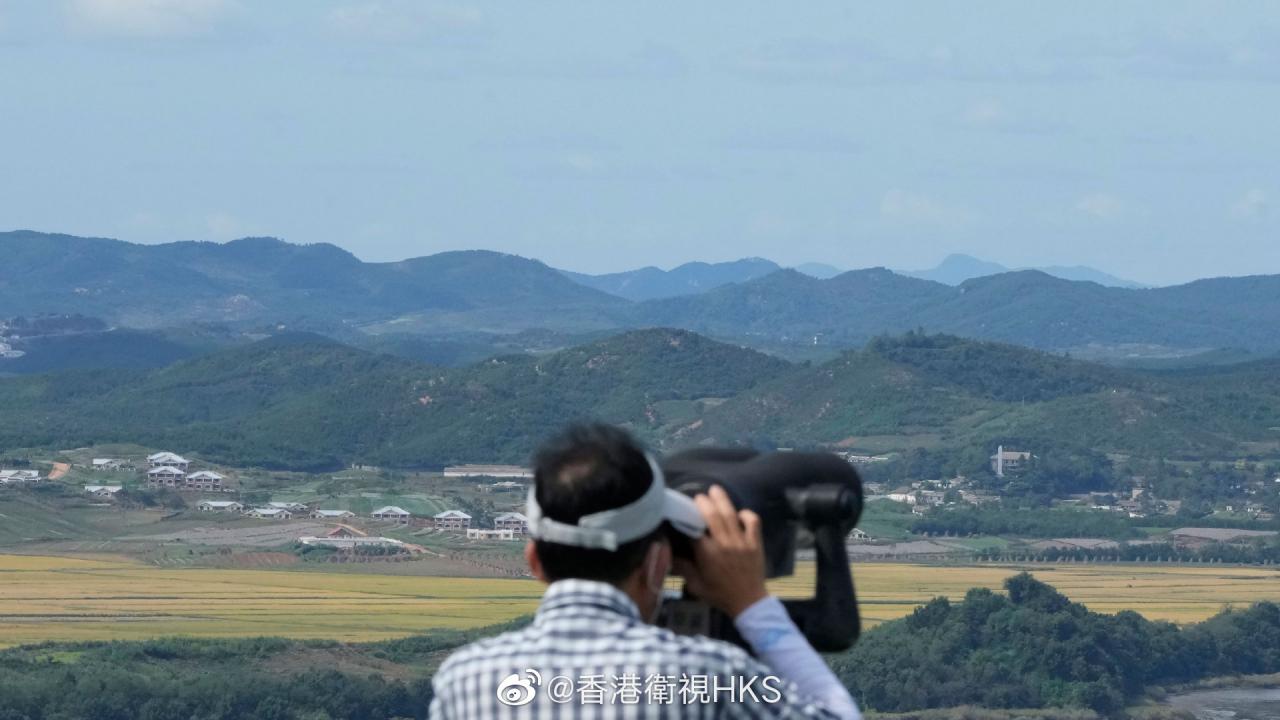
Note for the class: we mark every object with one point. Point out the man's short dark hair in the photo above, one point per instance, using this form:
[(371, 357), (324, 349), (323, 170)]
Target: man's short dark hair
[(589, 468)]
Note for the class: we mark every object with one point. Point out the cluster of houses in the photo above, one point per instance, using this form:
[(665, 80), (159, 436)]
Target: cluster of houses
[(507, 526), (922, 495), (167, 469), (488, 471), (270, 511)]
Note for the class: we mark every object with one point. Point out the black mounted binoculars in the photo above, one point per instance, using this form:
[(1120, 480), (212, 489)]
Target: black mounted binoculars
[(814, 495)]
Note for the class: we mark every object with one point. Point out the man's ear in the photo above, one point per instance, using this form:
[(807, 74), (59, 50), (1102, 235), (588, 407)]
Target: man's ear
[(535, 563), (662, 549)]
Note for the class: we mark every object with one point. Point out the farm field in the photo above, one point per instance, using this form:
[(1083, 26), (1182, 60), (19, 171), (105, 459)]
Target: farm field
[(66, 599), (1177, 593)]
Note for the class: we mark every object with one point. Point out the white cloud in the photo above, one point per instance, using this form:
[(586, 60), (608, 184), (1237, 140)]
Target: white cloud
[(905, 207), (147, 18), (398, 20), (1253, 204), (1101, 205)]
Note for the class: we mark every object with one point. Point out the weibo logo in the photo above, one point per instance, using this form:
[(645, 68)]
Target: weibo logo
[(516, 690)]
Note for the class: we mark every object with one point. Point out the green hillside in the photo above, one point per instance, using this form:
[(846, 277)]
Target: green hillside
[(787, 305), (914, 391), (302, 401), (1027, 308)]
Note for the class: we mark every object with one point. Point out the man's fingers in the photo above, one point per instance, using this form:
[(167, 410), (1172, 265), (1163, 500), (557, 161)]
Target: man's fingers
[(715, 523), (751, 527), (728, 514)]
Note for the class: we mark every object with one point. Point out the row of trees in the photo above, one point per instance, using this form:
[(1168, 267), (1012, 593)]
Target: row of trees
[(1260, 551), (1025, 522)]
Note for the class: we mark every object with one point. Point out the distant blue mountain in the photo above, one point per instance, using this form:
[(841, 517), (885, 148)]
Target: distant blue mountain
[(822, 271), (956, 268), (650, 283)]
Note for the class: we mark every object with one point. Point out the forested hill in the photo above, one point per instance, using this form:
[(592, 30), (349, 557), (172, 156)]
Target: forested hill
[(302, 401), (847, 309), (941, 391), (1027, 308), (1035, 648)]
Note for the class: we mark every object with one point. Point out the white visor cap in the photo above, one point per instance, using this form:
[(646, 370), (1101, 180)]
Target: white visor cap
[(608, 529)]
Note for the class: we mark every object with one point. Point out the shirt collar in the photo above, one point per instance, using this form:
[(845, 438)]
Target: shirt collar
[(574, 595)]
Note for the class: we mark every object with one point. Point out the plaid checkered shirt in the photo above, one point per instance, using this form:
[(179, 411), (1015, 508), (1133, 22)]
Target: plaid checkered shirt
[(588, 654)]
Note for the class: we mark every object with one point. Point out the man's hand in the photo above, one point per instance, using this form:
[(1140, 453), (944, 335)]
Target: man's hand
[(728, 567)]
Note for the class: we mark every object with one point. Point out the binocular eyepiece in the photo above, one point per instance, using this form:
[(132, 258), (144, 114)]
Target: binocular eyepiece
[(818, 494)]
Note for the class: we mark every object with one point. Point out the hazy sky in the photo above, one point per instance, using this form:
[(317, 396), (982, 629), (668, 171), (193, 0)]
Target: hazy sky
[(1141, 138)]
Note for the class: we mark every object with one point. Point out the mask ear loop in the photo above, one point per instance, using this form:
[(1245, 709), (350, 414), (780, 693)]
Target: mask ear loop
[(655, 578)]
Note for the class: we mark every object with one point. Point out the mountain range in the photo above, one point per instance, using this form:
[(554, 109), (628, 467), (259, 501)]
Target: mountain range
[(650, 283), (956, 268), (265, 279), (303, 401), (480, 300)]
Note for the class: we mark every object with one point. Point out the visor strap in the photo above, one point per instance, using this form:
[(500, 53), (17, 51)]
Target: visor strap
[(607, 529)]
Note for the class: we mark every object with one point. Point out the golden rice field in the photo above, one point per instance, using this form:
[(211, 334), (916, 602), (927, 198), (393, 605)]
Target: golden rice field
[(60, 598)]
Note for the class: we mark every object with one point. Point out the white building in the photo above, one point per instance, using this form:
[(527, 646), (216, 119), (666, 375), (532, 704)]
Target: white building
[(452, 520), (103, 490), (168, 459), (204, 480), (332, 514), (19, 477), (219, 506), (107, 464), (391, 512), (902, 495), (516, 522), (348, 542), (1008, 460), (270, 513), (290, 506), (166, 476)]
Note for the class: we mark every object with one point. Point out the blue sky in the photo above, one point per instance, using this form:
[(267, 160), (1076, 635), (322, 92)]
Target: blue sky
[(1140, 138)]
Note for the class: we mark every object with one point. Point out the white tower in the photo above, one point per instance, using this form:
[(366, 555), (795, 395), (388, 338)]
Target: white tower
[(1000, 461)]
